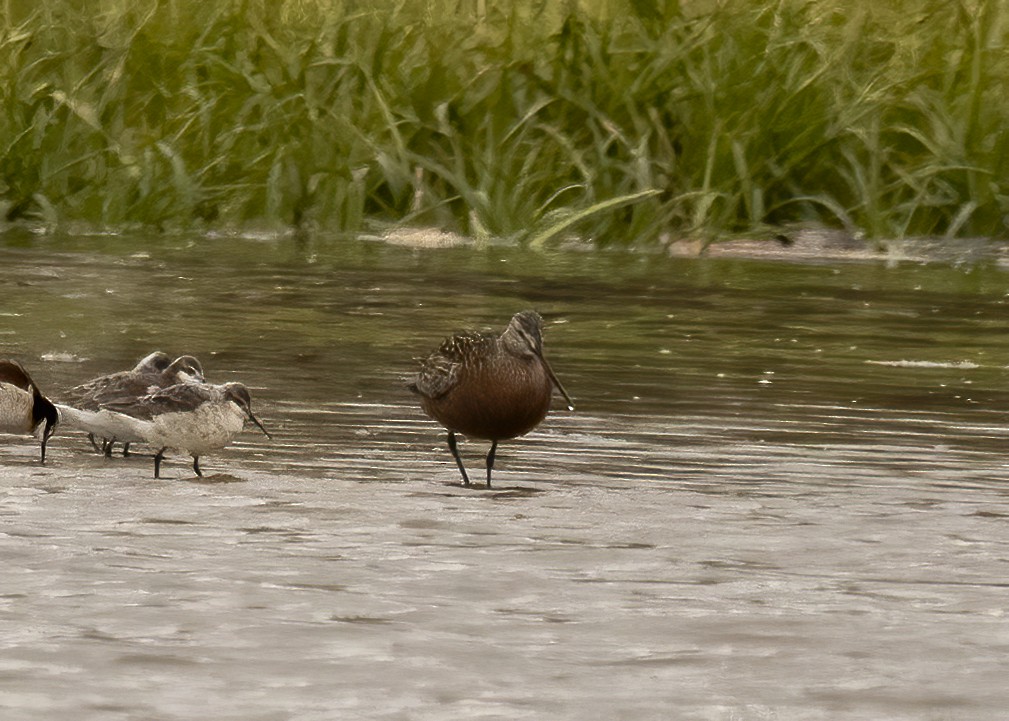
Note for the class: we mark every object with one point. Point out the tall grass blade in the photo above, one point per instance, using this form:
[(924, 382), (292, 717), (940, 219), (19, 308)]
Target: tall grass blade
[(541, 236)]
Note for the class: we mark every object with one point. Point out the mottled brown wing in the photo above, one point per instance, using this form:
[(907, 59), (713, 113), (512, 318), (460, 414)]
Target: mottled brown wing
[(436, 377), (440, 371)]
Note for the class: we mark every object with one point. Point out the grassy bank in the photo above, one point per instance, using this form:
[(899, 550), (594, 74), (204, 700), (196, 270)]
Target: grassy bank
[(626, 122)]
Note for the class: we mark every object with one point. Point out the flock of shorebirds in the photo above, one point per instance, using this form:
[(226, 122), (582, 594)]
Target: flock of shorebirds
[(488, 386), (162, 402)]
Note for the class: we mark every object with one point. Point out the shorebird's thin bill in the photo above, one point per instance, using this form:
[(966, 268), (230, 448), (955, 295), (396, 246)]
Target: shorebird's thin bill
[(557, 383), (256, 421)]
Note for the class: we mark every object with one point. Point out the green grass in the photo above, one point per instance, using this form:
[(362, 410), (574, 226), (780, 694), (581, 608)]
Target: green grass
[(625, 122)]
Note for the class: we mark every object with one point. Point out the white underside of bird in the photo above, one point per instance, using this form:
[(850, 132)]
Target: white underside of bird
[(198, 431), (106, 424), (206, 428)]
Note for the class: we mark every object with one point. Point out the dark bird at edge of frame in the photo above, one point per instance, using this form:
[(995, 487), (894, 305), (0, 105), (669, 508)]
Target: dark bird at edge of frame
[(489, 386), (23, 408)]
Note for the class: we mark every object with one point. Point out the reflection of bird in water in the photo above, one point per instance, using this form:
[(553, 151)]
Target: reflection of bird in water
[(23, 408), (154, 371), (191, 417), (489, 386)]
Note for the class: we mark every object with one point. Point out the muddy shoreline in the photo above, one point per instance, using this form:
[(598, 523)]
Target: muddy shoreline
[(262, 595)]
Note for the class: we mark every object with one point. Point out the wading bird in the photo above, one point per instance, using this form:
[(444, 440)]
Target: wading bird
[(23, 408), (191, 417), (489, 386)]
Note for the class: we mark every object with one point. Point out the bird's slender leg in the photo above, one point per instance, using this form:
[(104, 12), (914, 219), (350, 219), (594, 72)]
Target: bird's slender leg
[(196, 466), (157, 462), (94, 443), (490, 460), (458, 460), (126, 450)]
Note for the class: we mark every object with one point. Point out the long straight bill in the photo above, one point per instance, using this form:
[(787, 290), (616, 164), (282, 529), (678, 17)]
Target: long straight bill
[(256, 421), (557, 383)]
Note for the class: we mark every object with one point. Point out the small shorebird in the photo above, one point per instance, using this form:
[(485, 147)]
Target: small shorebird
[(23, 408), (489, 386), (152, 372), (191, 417)]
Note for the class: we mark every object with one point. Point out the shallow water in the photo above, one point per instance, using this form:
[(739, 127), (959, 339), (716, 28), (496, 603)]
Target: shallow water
[(782, 494)]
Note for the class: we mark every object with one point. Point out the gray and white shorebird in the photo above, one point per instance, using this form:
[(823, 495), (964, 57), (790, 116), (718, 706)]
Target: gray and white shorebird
[(154, 371), (23, 408), (192, 417), (491, 386)]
